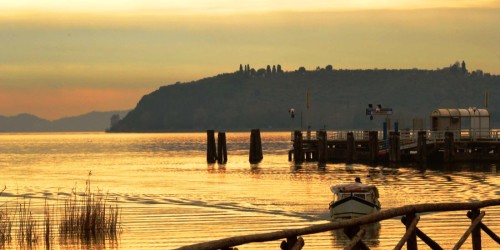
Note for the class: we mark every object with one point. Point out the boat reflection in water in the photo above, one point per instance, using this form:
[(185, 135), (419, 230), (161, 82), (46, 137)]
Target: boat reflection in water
[(371, 237)]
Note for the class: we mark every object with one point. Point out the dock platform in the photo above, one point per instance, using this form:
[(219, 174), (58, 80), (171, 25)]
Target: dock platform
[(401, 146)]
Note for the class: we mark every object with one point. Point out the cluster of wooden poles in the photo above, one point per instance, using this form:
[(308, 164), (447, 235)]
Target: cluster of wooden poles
[(354, 229), (218, 152)]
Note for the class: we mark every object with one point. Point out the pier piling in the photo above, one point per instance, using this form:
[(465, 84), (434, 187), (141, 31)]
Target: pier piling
[(211, 152), (322, 148), (394, 147), (422, 147), (298, 155), (256, 155), (350, 148), (448, 147), (221, 148), (373, 146)]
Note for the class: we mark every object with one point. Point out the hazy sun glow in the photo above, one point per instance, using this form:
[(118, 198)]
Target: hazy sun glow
[(234, 6), (120, 47)]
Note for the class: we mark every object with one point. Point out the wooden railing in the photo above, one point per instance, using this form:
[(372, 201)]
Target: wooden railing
[(354, 228)]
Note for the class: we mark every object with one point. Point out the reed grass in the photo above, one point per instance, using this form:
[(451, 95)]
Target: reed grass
[(5, 223), (27, 227), (5, 226), (85, 218)]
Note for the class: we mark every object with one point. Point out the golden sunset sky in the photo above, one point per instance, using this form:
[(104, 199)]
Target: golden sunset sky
[(68, 57)]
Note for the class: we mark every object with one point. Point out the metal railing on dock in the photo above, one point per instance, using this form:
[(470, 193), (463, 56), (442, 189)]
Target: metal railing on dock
[(354, 228), (405, 145), (409, 135)]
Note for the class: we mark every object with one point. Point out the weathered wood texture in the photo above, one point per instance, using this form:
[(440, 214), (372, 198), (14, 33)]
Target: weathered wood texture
[(382, 215)]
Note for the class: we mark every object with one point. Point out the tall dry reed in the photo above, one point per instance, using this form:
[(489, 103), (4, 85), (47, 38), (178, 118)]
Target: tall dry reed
[(27, 227), (88, 217), (85, 218)]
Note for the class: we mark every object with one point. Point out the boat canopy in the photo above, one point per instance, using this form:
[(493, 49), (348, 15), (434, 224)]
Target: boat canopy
[(354, 188)]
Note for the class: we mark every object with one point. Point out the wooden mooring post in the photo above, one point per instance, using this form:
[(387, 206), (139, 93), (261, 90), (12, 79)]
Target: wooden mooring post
[(322, 148), (394, 147), (298, 154), (350, 148), (256, 155), (449, 149), (221, 148), (373, 146), (422, 147), (211, 151)]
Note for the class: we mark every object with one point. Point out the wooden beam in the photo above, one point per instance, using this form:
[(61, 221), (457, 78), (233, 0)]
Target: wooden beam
[(299, 244), (356, 240), (431, 243), (473, 225), (410, 230), (490, 233), (476, 232)]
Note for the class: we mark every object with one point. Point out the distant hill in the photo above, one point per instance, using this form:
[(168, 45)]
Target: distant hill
[(337, 99), (93, 121)]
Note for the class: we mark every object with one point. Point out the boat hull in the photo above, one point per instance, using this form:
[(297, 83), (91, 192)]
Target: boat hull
[(352, 207)]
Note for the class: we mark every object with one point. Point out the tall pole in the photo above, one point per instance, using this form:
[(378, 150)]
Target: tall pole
[(301, 121), (307, 108)]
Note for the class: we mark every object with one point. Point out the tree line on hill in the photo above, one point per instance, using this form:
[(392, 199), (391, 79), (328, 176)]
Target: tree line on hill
[(324, 98)]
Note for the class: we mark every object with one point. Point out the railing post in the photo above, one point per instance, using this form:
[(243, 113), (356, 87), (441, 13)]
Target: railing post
[(411, 244), (476, 233)]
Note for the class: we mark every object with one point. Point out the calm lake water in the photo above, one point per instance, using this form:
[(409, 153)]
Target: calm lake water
[(170, 197)]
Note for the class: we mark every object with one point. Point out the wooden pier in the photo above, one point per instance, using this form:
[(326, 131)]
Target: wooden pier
[(354, 229), (402, 146)]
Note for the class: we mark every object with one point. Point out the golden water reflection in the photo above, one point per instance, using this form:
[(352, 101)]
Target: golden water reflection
[(170, 196)]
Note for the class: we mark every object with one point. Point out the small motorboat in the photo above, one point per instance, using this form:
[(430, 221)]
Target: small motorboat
[(353, 200)]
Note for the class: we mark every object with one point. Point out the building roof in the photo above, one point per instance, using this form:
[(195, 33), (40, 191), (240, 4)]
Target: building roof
[(469, 112)]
